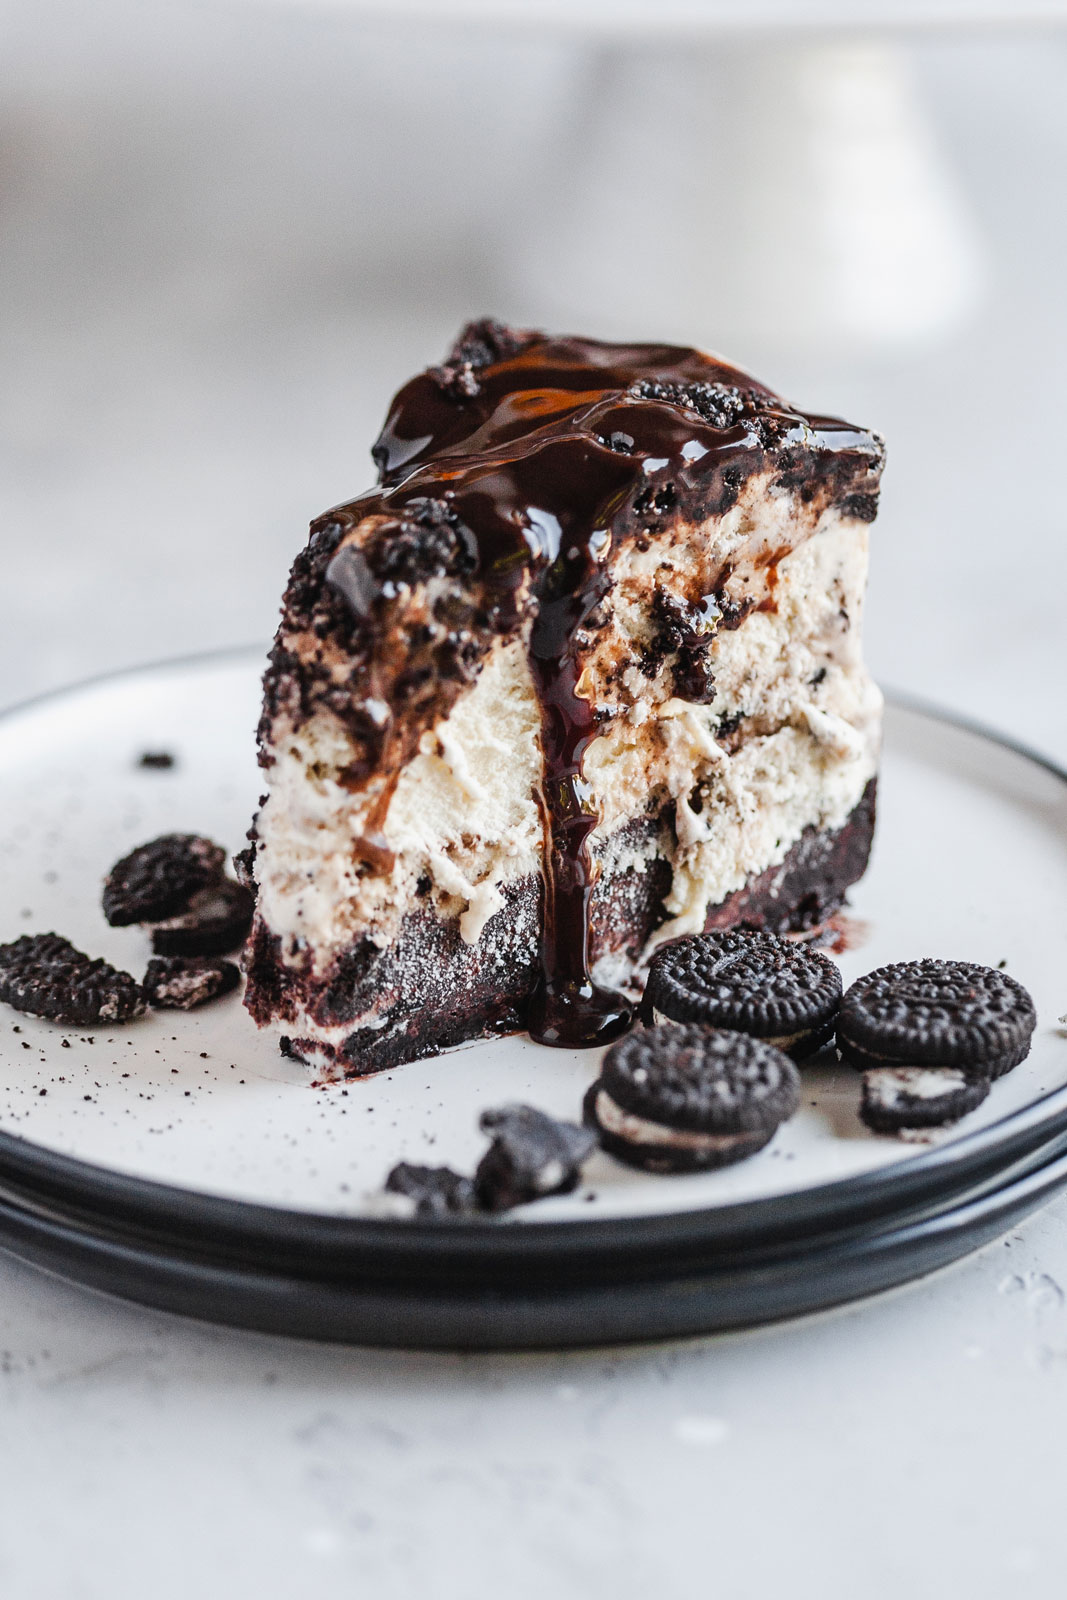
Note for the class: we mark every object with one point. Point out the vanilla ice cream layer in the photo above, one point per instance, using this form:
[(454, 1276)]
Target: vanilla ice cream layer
[(464, 818)]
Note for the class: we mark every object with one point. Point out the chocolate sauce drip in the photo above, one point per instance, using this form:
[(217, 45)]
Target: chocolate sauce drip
[(568, 1008), (529, 459)]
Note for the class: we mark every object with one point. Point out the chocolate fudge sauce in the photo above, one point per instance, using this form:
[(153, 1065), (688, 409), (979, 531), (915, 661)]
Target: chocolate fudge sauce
[(540, 454)]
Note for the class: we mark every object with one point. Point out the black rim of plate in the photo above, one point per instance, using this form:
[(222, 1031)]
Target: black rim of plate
[(314, 1247), (672, 1303)]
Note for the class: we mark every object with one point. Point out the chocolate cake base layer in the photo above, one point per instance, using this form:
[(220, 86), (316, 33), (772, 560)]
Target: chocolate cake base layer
[(430, 990)]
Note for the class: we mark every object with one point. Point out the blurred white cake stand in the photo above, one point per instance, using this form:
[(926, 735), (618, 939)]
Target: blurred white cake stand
[(757, 172)]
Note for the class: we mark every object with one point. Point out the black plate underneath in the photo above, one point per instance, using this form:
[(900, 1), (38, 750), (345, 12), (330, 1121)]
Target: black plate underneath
[(489, 1284), (427, 1258), (746, 1288)]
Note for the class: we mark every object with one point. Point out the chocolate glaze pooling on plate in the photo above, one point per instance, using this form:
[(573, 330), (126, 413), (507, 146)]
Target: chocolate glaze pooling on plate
[(525, 461)]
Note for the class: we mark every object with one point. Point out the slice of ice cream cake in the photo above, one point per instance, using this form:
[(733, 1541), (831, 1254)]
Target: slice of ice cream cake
[(583, 673)]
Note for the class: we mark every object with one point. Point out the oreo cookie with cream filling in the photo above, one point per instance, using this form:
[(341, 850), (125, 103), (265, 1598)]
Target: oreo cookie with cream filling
[(754, 983), (181, 983), (684, 1097), (158, 879), (936, 1014), (215, 921), (899, 1098)]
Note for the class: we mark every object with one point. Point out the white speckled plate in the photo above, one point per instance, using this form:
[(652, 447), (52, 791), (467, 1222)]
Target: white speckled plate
[(969, 862)]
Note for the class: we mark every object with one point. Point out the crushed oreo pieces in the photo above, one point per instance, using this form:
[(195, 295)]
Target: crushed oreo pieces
[(216, 920), (720, 405), (427, 541), (434, 1191), (244, 866), (480, 344), (179, 983), (45, 975), (531, 1156)]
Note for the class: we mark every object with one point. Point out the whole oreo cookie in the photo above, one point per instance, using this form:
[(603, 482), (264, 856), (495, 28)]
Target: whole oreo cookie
[(683, 1097), (216, 920), (897, 1098), (180, 983), (159, 879), (45, 975), (936, 1013), (754, 983)]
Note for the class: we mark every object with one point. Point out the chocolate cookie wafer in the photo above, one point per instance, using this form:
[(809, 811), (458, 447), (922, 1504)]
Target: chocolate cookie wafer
[(45, 975), (755, 983), (682, 1097), (897, 1098), (937, 1014), (159, 879), (216, 920), (181, 983)]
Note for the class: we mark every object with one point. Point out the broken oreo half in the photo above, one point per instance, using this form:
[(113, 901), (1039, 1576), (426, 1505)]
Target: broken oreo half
[(936, 1014), (45, 975), (685, 1097), (180, 983), (756, 983), (158, 879), (434, 1191), (898, 1098), (215, 921), (531, 1156)]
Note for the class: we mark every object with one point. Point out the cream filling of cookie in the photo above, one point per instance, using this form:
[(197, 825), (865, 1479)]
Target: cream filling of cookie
[(640, 1130), (782, 1041), (464, 817), (892, 1087)]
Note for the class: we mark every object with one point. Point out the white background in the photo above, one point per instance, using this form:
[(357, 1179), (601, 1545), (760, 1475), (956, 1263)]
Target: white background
[(227, 233)]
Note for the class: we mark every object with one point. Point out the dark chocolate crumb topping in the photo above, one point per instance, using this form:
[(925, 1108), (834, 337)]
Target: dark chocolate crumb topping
[(720, 405), (481, 344), (428, 541)]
